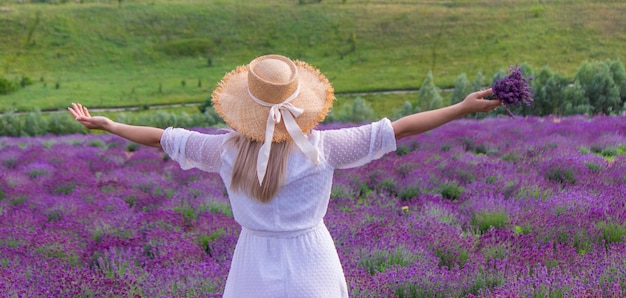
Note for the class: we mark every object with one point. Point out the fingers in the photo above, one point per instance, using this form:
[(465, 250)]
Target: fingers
[(493, 104), (86, 112), (74, 114), (484, 93), (75, 111), (78, 111)]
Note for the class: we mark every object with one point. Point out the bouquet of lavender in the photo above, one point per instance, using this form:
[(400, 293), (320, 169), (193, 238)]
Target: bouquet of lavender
[(513, 89)]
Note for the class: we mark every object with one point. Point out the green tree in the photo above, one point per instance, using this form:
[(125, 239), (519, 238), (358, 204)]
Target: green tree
[(527, 70), (429, 95), (542, 103), (360, 111), (498, 76), (479, 82), (619, 76), (407, 109), (574, 101), (462, 88), (596, 80)]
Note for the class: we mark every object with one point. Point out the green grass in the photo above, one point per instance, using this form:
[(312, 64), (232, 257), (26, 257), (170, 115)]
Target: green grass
[(138, 54), (483, 221), (381, 260), (612, 232)]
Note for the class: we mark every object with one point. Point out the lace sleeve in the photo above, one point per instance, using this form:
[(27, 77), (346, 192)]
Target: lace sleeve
[(193, 149), (356, 146)]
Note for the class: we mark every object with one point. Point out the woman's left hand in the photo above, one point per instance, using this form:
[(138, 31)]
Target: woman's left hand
[(476, 102)]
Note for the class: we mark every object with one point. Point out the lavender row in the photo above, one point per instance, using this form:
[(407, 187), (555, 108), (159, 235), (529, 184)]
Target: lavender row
[(496, 207)]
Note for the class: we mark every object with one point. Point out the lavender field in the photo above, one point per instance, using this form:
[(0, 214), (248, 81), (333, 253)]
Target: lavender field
[(523, 207)]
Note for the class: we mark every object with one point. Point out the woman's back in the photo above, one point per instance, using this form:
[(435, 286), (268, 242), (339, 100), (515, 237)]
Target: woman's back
[(284, 248), (301, 202)]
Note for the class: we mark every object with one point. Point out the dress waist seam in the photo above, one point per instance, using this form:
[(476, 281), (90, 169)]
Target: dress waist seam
[(282, 234)]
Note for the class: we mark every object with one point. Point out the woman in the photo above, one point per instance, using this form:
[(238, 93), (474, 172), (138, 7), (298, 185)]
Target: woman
[(278, 169)]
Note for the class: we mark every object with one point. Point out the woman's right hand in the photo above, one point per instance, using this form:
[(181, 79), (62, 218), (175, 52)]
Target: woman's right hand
[(81, 114)]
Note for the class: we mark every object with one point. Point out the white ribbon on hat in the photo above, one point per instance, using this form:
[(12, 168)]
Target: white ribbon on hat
[(284, 110)]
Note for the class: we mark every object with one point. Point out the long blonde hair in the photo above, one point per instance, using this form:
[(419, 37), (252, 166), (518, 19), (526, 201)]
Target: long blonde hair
[(244, 170)]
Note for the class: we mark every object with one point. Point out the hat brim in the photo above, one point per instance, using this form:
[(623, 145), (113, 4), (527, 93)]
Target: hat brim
[(232, 102)]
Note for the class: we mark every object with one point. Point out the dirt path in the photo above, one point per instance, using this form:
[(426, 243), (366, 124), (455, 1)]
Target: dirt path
[(156, 106)]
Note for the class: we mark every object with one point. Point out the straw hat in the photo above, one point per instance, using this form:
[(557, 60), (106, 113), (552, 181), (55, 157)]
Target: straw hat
[(272, 79), (274, 99)]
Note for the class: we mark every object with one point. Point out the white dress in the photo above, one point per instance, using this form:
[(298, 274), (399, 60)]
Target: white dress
[(285, 249)]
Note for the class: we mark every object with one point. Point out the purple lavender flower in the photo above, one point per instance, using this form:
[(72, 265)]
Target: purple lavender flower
[(536, 216), (513, 89)]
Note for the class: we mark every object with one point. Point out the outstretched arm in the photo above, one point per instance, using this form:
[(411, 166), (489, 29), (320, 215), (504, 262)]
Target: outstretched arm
[(425, 121), (144, 135)]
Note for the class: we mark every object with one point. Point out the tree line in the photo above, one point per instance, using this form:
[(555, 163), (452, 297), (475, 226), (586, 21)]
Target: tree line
[(598, 88)]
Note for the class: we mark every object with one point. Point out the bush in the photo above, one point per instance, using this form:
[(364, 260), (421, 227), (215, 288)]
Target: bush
[(360, 111), (123, 118), (10, 124), (62, 124), (164, 119), (451, 258), (192, 47), (451, 191), (159, 119), (207, 103), (612, 232), (408, 193), (183, 120), (485, 220), (7, 87), (25, 81), (208, 118), (562, 176), (381, 260), (35, 124)]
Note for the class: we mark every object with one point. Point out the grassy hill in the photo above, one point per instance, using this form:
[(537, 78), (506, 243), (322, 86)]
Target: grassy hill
[(151, 52)]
